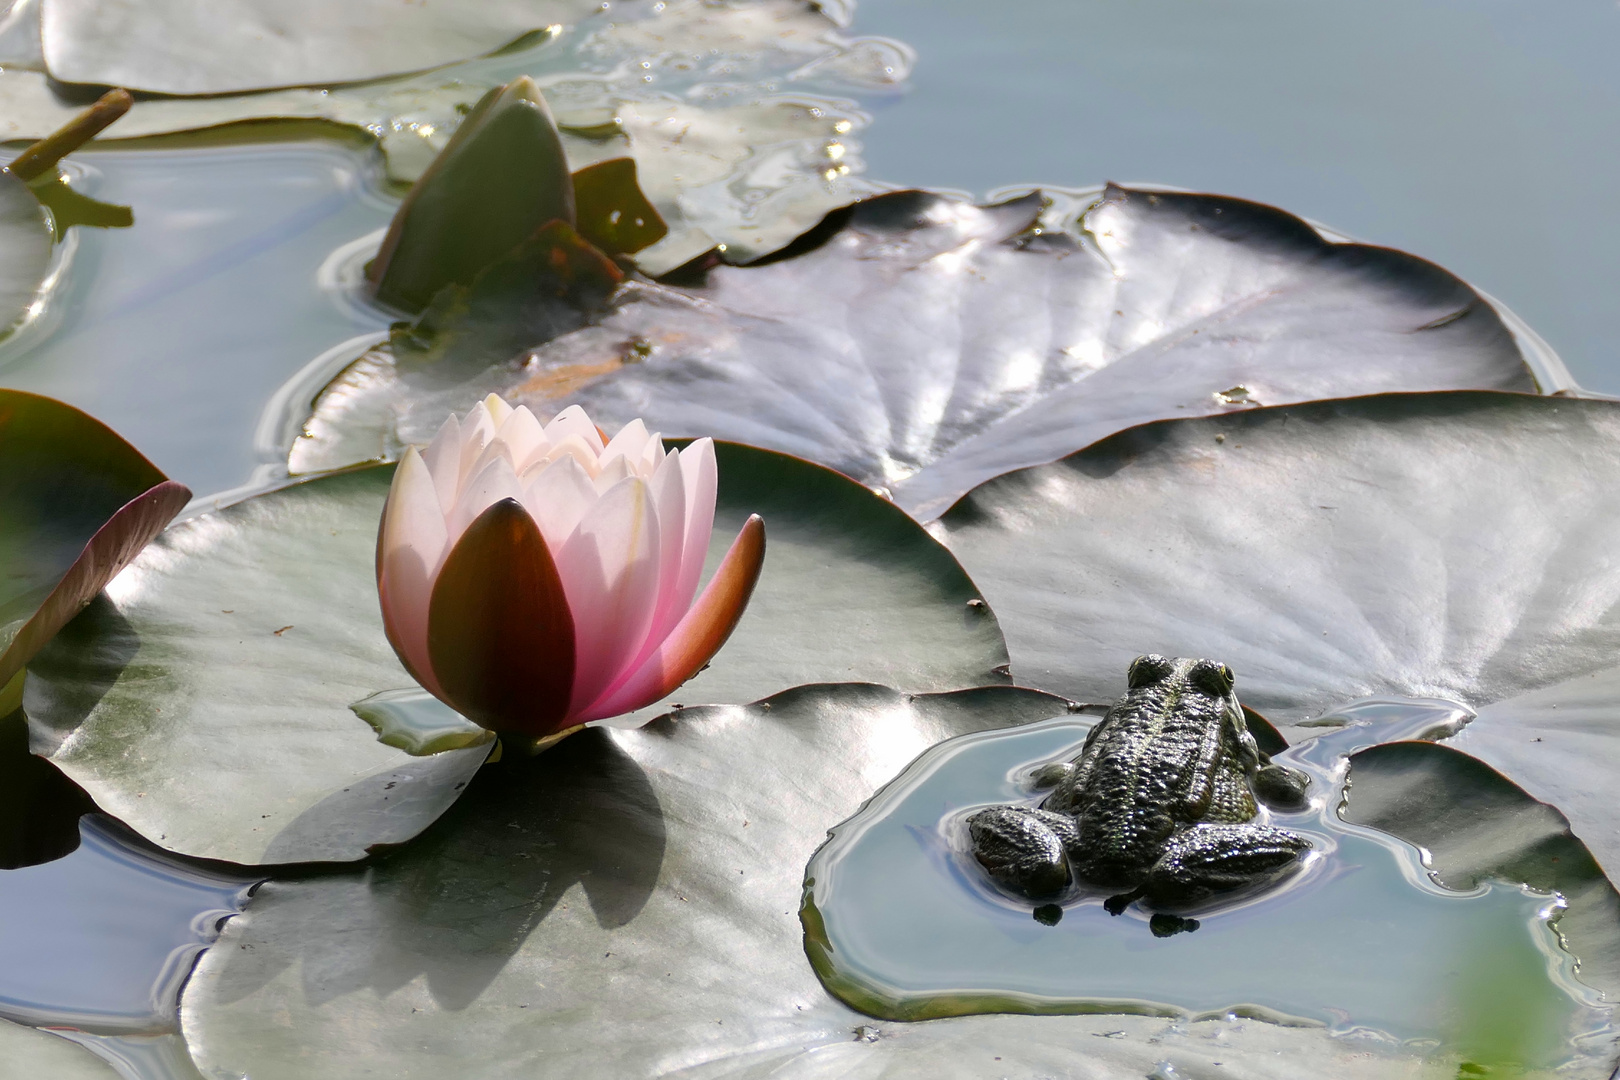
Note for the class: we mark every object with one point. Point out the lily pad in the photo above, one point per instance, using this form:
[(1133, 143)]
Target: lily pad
[(25, 250), (741, 123), (923, 344), (236, 45), (627, 905), (1452, 545), (208, 706), (30, 1052), (76, 504), (1476, 825)]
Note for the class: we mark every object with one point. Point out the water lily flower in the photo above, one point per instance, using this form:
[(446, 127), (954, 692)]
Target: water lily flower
[(536, 578)]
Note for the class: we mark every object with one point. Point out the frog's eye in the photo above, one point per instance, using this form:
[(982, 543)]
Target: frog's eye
[(1147, 670), (1212, 678)]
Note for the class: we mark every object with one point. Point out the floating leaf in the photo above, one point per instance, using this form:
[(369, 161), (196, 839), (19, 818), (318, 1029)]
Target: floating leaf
[(77, 503), (627, 905), (209, 706), (25, 250), (611, 210), (235, 45), (923, 344), (30, 1052), (1476, 825), (733, 148), (501, 177)]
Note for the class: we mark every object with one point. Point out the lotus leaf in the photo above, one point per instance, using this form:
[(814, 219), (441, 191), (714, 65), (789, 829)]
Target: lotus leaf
[(76, 504), (1451, 544), (952, 343), (626, 904), (741, 123), (28, 1052), (235, 45), (208, 705)]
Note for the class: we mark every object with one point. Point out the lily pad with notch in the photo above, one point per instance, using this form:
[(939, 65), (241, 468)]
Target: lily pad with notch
[(209, 705), (922, 344)]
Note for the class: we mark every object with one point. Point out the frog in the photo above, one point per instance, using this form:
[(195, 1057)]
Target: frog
[(1160, 804)]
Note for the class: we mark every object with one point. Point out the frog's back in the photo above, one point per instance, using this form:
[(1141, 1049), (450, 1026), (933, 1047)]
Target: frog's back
[(1162, 758)]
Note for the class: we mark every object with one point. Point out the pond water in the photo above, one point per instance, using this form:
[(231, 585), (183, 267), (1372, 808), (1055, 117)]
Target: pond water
[(901, 922)]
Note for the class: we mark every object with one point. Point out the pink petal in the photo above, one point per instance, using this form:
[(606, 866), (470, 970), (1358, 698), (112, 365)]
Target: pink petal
[(612, 474), (609, 569), (477, 431), (498, 409), (499, 630), (573, 421), (700, 476), (410, 543), (627, 444), (558, 498), (699, 635)]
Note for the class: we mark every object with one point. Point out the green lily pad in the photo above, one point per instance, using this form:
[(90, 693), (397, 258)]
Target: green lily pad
[(748, 147), (1448, 545), (237, 45), (76, 504), (25, 250), (1477, 826), (627, 905), (209, 705), (30, 1052), (922, 344)]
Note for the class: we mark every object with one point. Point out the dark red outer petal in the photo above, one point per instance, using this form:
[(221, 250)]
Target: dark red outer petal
[(500, 635)]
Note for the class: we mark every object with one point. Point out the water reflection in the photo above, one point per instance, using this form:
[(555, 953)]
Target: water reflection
[(902, 923), (101, 939)]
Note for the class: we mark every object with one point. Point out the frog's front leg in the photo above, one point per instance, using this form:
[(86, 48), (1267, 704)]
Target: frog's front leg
[(1204, 860), (1024, 850)]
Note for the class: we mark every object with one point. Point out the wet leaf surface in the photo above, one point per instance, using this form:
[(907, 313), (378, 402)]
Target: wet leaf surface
[(29, 1052), (925, 345), (77, 503), (237, 45), (627, 904), (208, 705), (1448, 545)]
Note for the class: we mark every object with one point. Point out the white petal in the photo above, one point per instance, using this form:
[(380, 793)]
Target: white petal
[(558, 498), (628, 443), (443, 459), (499, 410), (477, 431), (412, 545), (493, 482), (525, 439), (573, 421), (612, 473), (575, 447), (609, 570)]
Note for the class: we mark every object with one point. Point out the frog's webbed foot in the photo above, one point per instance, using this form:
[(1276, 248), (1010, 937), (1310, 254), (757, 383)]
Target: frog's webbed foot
[(1280, 787), (1023, 850), (1209, 859)]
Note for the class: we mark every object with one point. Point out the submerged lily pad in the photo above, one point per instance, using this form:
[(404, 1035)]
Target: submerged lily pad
[(627, 905), (920, 343), (25, 250), (230, 46), (76, 504), (209, 705)]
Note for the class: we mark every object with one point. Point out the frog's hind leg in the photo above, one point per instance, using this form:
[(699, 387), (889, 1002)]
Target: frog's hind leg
[(1208, 859), (1023, 850)]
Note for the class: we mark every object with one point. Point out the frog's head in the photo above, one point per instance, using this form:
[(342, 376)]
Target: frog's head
[(1208, 677)]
